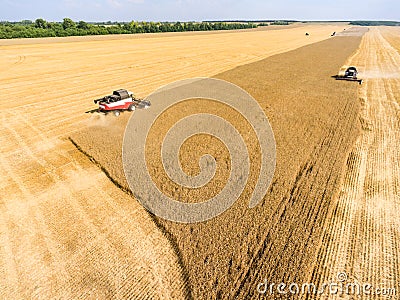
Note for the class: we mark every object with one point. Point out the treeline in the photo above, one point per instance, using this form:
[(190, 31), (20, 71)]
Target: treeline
[(254, 21), (42, 28), (281, 23), (375, 23)]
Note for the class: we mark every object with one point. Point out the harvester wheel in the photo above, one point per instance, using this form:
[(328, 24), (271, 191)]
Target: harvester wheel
[(116, 113), (132, 107)]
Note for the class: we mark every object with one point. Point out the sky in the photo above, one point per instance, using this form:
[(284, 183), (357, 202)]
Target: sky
[(199, 10)]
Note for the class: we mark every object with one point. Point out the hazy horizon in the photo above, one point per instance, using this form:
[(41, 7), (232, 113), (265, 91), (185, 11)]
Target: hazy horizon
[(196, 10)]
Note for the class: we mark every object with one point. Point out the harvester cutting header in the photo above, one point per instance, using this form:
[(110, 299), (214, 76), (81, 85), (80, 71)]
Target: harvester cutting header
[(120, 100)]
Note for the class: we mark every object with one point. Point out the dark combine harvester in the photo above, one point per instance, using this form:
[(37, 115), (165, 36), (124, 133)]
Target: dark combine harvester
[(349, 74)]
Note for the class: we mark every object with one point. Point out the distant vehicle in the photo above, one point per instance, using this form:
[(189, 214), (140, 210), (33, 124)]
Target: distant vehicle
[(349, 74), (121, 100), (307, 34)]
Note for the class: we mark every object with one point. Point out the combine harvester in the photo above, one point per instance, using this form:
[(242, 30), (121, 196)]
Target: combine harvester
[(349, 74), (120, 100)]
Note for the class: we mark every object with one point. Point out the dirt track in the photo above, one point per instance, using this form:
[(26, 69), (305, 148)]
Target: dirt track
[(362, 236), (65, 229)]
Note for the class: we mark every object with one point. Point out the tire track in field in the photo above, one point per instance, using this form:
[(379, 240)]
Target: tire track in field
[(362, 237)]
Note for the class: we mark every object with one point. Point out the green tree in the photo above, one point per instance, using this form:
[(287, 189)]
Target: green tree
[(190, 26), (178, 26), (40, 23), (26, 22), (68, 23), (83, 25), (153, 27)]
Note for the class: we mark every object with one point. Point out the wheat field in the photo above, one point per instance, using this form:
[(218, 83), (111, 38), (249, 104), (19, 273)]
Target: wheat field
[(70, 228), (66, 230)]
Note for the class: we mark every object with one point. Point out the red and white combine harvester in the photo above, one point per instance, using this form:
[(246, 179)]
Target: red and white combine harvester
[(120, 100)]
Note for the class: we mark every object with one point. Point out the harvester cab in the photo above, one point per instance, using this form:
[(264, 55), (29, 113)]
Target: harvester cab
[(351, 72)]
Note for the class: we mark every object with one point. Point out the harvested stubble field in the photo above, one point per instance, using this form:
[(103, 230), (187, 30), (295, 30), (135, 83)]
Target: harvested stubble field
[(66, 231), (362, 235), (315, 121)]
